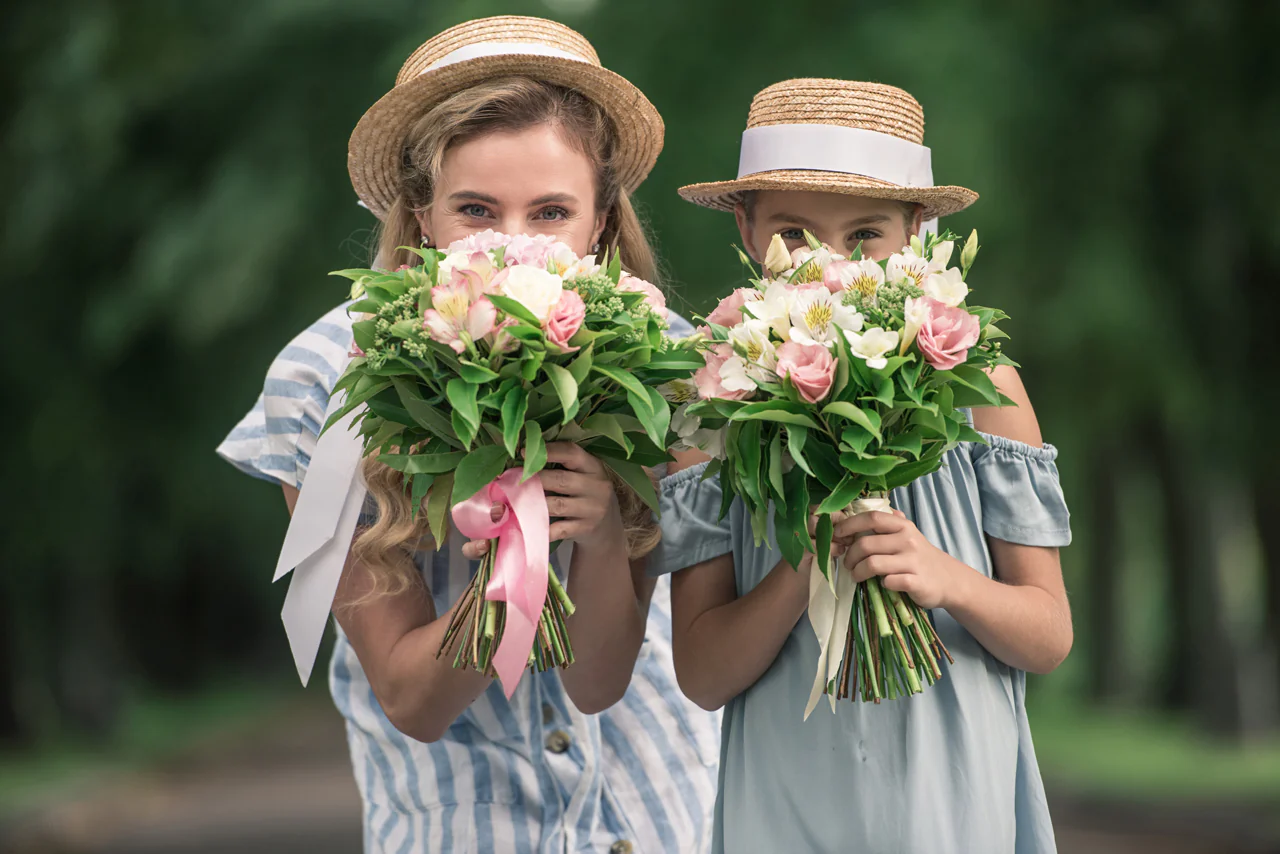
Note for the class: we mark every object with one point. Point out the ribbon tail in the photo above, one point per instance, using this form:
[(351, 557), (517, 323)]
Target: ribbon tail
[(520, 575), (822, 614), (845, 586)]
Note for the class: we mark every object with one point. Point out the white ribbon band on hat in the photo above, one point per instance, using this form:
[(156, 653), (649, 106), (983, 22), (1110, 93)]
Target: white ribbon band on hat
[(835, 148), (319, 537), (479, 49)]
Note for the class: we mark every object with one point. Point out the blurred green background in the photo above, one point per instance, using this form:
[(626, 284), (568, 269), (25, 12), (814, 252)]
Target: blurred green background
[(174, 191)]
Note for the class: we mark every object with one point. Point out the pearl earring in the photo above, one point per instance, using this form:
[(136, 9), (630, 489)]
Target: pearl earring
[(426, 241), (596, 248)]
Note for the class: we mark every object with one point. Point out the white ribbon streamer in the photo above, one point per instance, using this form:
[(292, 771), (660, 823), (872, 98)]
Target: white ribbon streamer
[(479, 49), (831, 611), (319, 536), (836, 148)]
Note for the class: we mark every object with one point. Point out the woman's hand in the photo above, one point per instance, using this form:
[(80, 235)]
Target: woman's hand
[(580, 500), (889, 545)]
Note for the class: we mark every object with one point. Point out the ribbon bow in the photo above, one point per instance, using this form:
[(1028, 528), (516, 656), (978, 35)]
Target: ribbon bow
[(520, 562)]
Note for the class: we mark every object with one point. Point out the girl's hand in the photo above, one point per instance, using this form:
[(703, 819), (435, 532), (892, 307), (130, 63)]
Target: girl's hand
[(580, 500), (891, 546)]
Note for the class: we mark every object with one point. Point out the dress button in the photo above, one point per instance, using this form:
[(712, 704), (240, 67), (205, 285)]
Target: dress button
[(558, 741), (548, 713), (622, 846)]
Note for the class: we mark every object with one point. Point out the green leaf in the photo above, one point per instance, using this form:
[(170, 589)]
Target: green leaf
[(609, 427), (843, 495), (462, 397), (968, 434), (514, 406), (870, 466), (354, 400), (749, 460), (908, 442), (824, 543), (421, 486), (535, 450), (615, 267), (566, 389), (580, 367), (625, 379), (904, 474), (514, 308), (477, 470), (783, 411), (976, 379), (473, 373), (796, 437), (867, 419), (364, 331), (426, 415), (883, 389), (637, 478), (798, 506), (422, 463), (438, 507), (775, 469), (931, 422), (856, 438), (826, 463)]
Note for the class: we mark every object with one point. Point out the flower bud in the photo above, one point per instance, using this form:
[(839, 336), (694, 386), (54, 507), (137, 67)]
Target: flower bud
[(778, 258), (970, 251)]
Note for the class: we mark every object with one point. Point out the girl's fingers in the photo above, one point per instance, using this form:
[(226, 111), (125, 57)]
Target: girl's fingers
[(881, 565), (874, 544), (870, 523), (903, 582), (568, 529), (572, 457), (495, 512)]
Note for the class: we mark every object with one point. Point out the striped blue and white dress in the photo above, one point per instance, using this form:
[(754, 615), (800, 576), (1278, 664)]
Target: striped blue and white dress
[(532, 774)]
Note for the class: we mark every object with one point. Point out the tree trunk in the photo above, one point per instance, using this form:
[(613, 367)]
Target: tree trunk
[(1106, 675), (1176, 672)]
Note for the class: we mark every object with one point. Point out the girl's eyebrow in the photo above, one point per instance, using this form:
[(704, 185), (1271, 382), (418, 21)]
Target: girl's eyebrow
[(784, 217), (870, 219), (471, 195)]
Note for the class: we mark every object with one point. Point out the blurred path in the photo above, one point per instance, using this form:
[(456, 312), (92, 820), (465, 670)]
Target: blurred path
[(287, 788)]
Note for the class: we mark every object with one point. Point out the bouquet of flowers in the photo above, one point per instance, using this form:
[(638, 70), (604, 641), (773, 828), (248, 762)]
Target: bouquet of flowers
[(465, 366), (829, 382)]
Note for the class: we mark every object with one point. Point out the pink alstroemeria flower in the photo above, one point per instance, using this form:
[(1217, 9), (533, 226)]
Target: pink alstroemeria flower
[(455, 320)]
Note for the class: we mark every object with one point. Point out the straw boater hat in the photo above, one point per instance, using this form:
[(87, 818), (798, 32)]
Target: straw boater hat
[(835, 136), (480, 50)]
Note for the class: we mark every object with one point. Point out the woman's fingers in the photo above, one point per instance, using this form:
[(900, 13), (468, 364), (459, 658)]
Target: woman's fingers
[(475, 549), (573, 457), (560, 506), (564, 482)]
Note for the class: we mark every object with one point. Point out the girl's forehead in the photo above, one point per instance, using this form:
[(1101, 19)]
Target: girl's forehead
[(824, 206)]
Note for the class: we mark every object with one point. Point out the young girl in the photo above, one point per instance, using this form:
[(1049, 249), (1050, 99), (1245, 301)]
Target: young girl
[(507, 124), (952, 769)]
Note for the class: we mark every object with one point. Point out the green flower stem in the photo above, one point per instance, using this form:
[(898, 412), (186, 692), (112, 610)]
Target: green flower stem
[(877, 604)]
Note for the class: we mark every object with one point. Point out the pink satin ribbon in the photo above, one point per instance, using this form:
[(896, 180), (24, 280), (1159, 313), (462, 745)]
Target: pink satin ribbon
[(520, 563)]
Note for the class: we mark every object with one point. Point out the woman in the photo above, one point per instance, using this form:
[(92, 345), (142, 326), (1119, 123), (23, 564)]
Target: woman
[(507, 124)]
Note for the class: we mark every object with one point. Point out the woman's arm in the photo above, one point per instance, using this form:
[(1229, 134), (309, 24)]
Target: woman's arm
[(396, 639), (1023, 618)]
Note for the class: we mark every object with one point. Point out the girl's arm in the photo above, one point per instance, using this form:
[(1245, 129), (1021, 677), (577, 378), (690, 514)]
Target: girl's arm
[(610, 592), (723, 643), (1023, 618), (396, 639)]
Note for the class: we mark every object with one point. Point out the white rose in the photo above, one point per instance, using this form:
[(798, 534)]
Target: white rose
[(535, 289)]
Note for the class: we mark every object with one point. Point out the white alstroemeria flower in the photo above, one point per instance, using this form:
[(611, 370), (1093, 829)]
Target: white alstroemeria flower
[(710, 442), (750, 340), (535, 289), (865, 276), (818, 316), (734, 376), (679, 391), (774, 308), (910, 265), (873, 345), (915, 311), (777, 259), (820, 259), (682, 423), (947, 287)]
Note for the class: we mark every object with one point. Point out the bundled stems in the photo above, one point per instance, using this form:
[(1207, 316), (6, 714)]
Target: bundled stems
[(475, 631)]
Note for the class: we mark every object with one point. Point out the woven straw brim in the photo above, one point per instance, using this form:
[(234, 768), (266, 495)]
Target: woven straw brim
[(376, 147), (725, 195)]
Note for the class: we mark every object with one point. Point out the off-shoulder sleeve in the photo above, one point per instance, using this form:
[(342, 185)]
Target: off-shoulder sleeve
[(692, 531), (275, 440), (1022, 500)]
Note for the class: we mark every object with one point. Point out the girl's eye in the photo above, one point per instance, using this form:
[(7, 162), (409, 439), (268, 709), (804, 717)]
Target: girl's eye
[(552, 214), (791, 234), (865, 234), (476, 211)]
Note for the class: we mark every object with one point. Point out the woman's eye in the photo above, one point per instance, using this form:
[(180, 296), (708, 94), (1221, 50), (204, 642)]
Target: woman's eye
[(791, 234), (552, 214), (476, 211)]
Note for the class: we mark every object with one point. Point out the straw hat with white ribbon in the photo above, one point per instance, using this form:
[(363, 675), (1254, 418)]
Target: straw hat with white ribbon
[(481, 50), (835, 136)]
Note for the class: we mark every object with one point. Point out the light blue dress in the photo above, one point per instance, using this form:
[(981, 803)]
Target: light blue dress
[(951, 771)]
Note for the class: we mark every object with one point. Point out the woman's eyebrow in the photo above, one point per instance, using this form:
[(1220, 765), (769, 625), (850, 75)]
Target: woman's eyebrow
[(471, 195), (553, 197)]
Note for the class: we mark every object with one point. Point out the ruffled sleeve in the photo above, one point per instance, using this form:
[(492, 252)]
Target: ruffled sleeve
[(275, 440), (692, 531), (1022, 500)]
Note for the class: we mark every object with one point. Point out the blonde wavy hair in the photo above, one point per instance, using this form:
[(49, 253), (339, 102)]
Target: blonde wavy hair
[(387, 547)]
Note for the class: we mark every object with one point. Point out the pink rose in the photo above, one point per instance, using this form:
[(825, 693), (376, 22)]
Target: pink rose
[(946, 336), (809, 367), (707, 379), (652, 295), (729, 311), (565, 319)]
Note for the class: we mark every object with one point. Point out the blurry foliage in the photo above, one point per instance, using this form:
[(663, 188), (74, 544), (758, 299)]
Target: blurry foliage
[(173, 186)]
